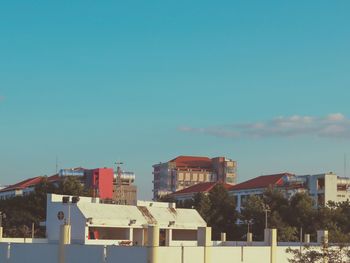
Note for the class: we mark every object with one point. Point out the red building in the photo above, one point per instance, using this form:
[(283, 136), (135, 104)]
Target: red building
[(100, 180)]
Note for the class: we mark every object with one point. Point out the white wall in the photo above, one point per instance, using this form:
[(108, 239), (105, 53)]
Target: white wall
[(3, 252), (169, 254), (31, 253), (219, 254), (194, 255), (48, 253), (256, 254), (78, 222), (127, 255), (226, 254), (86, 254), (331, 181)]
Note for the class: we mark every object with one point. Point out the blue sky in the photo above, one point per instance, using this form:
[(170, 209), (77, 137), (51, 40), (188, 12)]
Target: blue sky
[(263, 82)]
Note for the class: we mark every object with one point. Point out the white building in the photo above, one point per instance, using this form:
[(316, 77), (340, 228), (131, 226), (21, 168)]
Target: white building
[(95, 223), (321, 187)]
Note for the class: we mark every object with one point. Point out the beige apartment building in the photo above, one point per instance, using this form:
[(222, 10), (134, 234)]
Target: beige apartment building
[(185, 171), (125, 191)]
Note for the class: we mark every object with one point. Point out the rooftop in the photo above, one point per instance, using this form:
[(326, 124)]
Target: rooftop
[(200, 188), (192, 161), (263, 181), (31, 182)]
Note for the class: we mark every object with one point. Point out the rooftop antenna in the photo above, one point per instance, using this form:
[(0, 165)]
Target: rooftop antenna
[(56, 164), (345, 160)]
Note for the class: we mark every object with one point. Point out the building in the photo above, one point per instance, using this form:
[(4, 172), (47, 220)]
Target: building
[(99, 182), (205, 188), (185, 171), (24, 187), (105, 224), (321, 187), (125, 191)]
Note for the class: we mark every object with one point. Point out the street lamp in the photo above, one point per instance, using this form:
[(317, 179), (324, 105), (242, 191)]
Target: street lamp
[(68, 201), (266, 209), (249, 222)]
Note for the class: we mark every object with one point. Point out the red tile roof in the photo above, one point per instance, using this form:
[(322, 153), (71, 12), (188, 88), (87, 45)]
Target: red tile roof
[(200, 188), (30, 183), (53, 178), (193, 161), (263, 181), (23, 184)]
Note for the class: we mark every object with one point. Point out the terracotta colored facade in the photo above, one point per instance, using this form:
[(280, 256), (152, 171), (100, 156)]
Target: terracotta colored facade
[(185, 171)]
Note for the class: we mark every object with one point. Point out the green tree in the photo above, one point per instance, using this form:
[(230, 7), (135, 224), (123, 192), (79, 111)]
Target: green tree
[(253, 211), (201, 203), (303, 211), (71, 185), (222, 216)]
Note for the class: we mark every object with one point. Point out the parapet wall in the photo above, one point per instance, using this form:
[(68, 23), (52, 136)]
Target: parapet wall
[(48, 253)]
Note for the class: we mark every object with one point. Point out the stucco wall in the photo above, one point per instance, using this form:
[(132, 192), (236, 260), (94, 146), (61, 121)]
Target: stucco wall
[(86, 254), (48, 253), (3, 252), (127, 254), (31, 253)]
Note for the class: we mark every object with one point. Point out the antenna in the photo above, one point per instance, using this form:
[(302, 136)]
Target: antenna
[(56, 164), (345, 160)]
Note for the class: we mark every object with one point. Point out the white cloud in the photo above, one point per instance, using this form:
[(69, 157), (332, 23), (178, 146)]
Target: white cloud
[(334, 125), (336, 117)]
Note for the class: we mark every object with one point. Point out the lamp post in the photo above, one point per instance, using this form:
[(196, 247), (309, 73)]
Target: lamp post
[(266, 209), (249, 222), (65, 230), (67, 200), (249, 235)]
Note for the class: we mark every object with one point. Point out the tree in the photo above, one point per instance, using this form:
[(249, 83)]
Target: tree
[(201, 203), (325, 253), (253, 211), (301, 206), (71, 185), (305, 255), (222, 215)]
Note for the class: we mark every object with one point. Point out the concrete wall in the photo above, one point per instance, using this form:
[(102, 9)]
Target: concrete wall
[(31, 253), (86, 254), (126, 254), (48, 253), (3, 252)]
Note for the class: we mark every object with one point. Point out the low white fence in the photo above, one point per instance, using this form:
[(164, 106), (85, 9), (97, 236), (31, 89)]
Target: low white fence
[(48, 253)]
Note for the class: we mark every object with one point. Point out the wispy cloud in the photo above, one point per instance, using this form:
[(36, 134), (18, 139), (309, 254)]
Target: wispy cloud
[(2, 98), (334, 125)]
